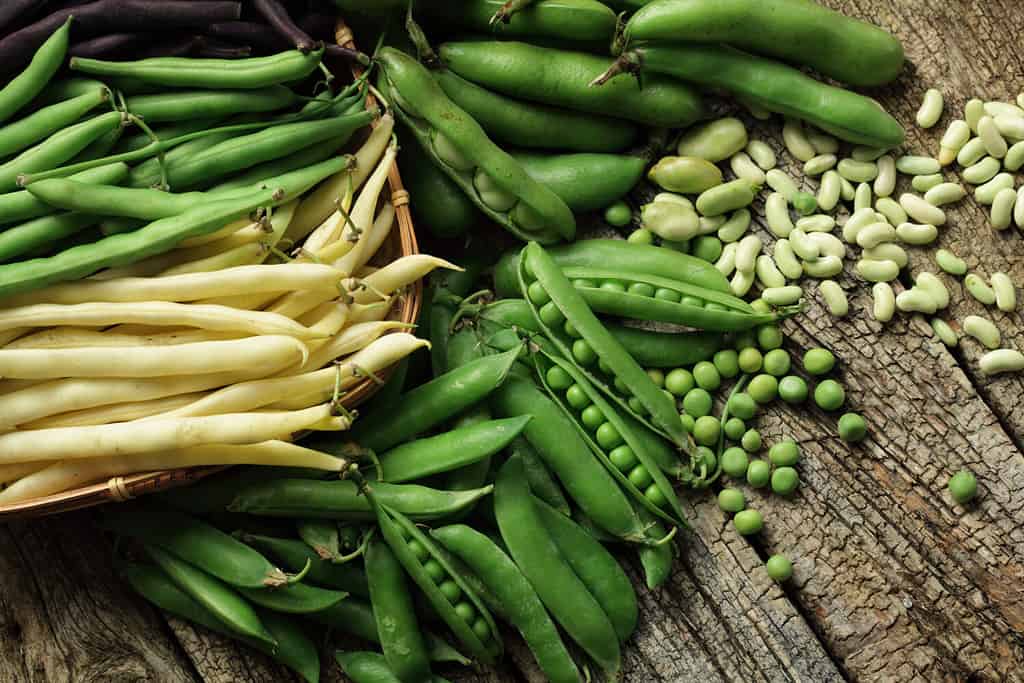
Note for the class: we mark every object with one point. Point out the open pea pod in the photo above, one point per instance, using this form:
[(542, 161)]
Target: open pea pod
[(492, 178), (560, 309), (297, 598), (447, 591), (612, 437)]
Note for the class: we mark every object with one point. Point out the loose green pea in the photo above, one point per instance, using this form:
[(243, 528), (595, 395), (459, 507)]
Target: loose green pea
[(735, 461), (819, 361), (777, 362), (793, 389), (742, 406), (583, 352), (706, 430), (750, 360), (706, 248), (731, 500), (748, 522), (784, 453), (804, 203), (618, 214), (852, 428), (751, 441), (763, 388), (623, 458), (592, 417), (641, 236), (829, 395), (679, 381), (734, 428), (640, 477), (697, 403), (688, 422), (769, 337), (779, 568), (759, 473), (558, 379), (963, 486), (727, 363), (785, 480), (705, 374)]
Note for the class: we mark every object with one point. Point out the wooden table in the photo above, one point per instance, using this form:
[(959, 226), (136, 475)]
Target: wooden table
[(893, 581)]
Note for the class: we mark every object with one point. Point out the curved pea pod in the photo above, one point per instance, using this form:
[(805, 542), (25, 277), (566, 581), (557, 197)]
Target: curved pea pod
[(575, 20), (296, 556), (472, 624), (518, 598), (297, 598), (542, 482), (322, 536), (438, 204), (196, 542), (371, 667), (516, 122), (584, 181), (450, 450), (213, 494), (656, 558), (466, 154), (342, 500), (618, 255), (566, 302)]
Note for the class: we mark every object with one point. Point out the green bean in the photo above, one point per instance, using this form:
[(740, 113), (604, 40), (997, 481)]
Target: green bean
[(28, 237), (264, 173), (203, 104), (542, 482), (198, 543), (21, 89), (64, 89), (133, 143), (297, 598), (296, 556), (16, 136), (536, 554), (23, 205), (573, 20), (189, 72)]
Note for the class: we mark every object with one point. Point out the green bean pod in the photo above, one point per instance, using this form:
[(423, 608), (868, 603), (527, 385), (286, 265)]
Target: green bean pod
[(213, 494), (295, 556), (299, 498), (23, 205), (16, 136), (530, 124), (21, 89), (586, 182), (297, 598), (656, 558), (573, 20), (64, 89), (198, 543), (322, 536), (775, 86), (457, 448), (27, 238), (562, 78), (189, 72), (212, 104), (567, 305), (807, 33), (596, 567), (432, 403), (458, 605), (438, 204), (542, 482), (537, 555), (372, 667), (488, 175), (609, 254), (400, 636), (518, 598), (135, 142), (446, 289), (226, 604)]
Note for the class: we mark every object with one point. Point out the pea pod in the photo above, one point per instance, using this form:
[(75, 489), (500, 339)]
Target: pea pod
[(453, 139), (516, 122), (371, 667), (585, 181), (795, 31), (574, 20), (297, 598), (775, 86), (542, 483), (447, 289), (213, 494), (342, 500), (567, 305), (535, 553), (656, 559), (296, 555), (25, 86), (208, 104), (619, 255), (438, 204), (322, 536), (561, 78)]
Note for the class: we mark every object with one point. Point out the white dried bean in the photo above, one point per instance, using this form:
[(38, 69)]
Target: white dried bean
[(776, 213), (892, 211), (861, 153), (1014, 159), (950, 262), (953, 140), (917, 165), (782, 296), (803, 247), (994, 109), (1002, 208), (933, 286), (858, 171), (782, 183), (944, 332), (825, 266), (863, 197), (1001, 360), (875, 234), (986, 193), (917, 234), (995, 143), (736, 227), (915, 300), (786, 260), (984, 330), (767, 273), (746, 253), (762, 154), (710, 224), (1006, 294), (741, 283), (971, 153), (744, 167), (819, 164), (884, 302), (973, 111), (979, 289), (885, 183), (981, 172), (878, 271), (848, 192), (1018, 209), (923, 183), (931, 109), (888, 251), (726, 262), (945, 193), (855, 223), (822, 142), (830, 190), (921, 211), (819, 222), (828, 244), (1011, 127), (795, 140), (835, 298)]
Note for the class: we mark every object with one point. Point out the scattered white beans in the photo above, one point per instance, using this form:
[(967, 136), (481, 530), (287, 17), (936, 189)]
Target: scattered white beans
[(931, 109), (848, 192), (709, 224), (736, 227), (795, 140), (944, 332), (885, 183), (1014, 159), (953, 140), (862, 198), (981, 172), (782, 296), (986, 193), (746, 253), (741, 283), (971, 153), (767, 273), (950, 262), (825, 266), (762, 154), (875, 234), (776, 213), (819, 164), (1006, 294), (921, 211), (995, 109), (858, 221), (934, 287), (822, 142), (803, 247), (1002, 208), (1011, 127), (979, 289), (984, 330), (917, 234), (945, 193), (878, 271), (917, 165), (726, 262), (835, 298), (744, 167), (995, 143), (830, 190), (818, 222), (915, 300), (890, 208), (786, 260), (884, 302), (889, 251), (973, 111), (828, 244), (1001, 360), (858, 171), (1018, 209), (782, 183), (861, 153), (923, 183)]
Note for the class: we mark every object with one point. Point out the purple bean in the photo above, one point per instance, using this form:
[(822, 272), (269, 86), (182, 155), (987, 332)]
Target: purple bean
[(279, 19), (249, 33), (175, 45), (348, 53), (219, 49), (110, 44), (11, 10), (318, 25)]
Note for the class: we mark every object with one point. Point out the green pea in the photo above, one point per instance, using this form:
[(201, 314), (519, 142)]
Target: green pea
[(657, 376), (655, 495), (784, 453), (571, 330), (482, 629), (715, 306), (450, 590), (640, 477), (583, 352), (551, 315), (668, 295), (641, 236), (759, 473), (620, 386), (641, 289), (706, 430), (434, 570), (751, 441), (608, 436), (618, 214), (419, 550), (819, 361), (731, 500), (727, 363), (763, 388), (576, 397), (777, 362), (636, 405), (785, 480), (465, 610), (697, 402), (829, 395), (558, 379), (692, 301), (613, 286), (748, 522), (735, 461), (852, 428), (579, 283), (537, 294), (623, 458), (963, 486), (750, 360), (734, 428), (679, 381), (793, 389), (706, 248), (706, 457), (769, 337), (689, 423), (603, 366), (742, 406), (705, 374), (779, 568), (592, 417), (744, 340), (804, 203)]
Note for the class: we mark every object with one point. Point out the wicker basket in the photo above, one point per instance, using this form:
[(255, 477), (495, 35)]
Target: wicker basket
[(401, 242)]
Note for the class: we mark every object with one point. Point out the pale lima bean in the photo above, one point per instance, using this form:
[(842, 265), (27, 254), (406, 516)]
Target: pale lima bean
[(803, 247), (915, 300), (847, 191), (782, 183), (878, 271), (670, 219), (741, 283), (818, 222), (737, 226), (979, 289), (825, 266), (890, 208), (923, 183), (1014, 159), (1006, 294), (1020, 99), (858, 221), (887, 251), (884, 306), (795, 140), (714, 141), (917, 234), (944, 332), (950, 262), (862, 197), (986, 194), (1018, 209), (782, 296), (762, 154), (861, 153), (823, 143), (828, 244), (921, 211), (875, 234), (858, 171), (1011, 127), (747, 252), (819, 164), (831, 190), (726, 197), (835, 298), (953, 140), (984, 330), (776, 213), (933, 286), (885, 183), (994, 109), (917, 165), (945, 193), (1002, 208), (1001, 360), (988, 131), (973, 111), (931, 109), (971, 153), (744, 167), (767, 274), (726, 263), (786, 260)]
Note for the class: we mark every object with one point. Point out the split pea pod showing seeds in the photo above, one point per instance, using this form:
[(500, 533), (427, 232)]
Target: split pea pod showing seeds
[(452, 137)]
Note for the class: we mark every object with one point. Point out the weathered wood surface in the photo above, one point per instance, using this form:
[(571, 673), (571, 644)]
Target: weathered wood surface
[(894, 582)]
